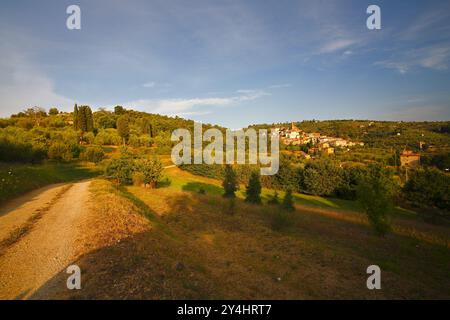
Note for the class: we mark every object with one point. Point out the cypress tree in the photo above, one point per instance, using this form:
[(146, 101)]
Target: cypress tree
[(82, 119), (254, 188), (229, 182), (89, 119), (75, 117), (123, 128)]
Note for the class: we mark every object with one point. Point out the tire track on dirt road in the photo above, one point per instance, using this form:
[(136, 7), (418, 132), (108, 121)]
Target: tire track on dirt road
[(48, 247)]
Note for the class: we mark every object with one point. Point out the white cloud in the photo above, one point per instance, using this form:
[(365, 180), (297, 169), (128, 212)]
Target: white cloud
[(186, 106), (23, 84), (433, 57), (149, 84), (336, 45)]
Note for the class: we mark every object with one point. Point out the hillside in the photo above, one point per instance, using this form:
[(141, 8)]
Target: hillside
[(191, 249)]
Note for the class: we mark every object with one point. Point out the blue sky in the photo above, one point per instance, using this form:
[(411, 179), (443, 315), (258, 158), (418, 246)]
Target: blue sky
[(232, 63)]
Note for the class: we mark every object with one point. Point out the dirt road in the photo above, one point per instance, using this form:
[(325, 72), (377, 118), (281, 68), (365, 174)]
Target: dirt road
[(49, 244)]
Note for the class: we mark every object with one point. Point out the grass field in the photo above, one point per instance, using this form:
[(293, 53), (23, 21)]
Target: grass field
[(16, 179), (195, 249)]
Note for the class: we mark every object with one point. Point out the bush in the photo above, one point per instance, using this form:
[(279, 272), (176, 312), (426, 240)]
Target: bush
[(428, 188), (120, 170), (288, 201), (321, 178), (60, 151), (93, 154), (108, 137), (151, 170), (253, 191), (16, 151), (375, 193), (229, 182), (138, 178)]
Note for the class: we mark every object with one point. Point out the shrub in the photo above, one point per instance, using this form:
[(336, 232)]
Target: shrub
[(288, 201), (138, 178), (16, 151), (120, 170), (93, 154), (229, 182), (375, 193), (108, 137), (321, 177), (428, 189), (151, 170), (254, 188), (60, 151)]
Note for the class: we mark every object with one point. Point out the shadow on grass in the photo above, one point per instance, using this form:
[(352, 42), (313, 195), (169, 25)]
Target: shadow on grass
[(201, 187), (206, 259)]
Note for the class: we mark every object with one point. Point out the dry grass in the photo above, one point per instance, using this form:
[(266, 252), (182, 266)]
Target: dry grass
[(193, 249)]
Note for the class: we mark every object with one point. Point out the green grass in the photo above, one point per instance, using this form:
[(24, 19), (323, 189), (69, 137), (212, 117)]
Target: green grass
[(185, 181), (16, 179)]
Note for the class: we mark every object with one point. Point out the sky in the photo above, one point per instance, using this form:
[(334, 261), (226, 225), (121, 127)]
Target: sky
[(230, 62)]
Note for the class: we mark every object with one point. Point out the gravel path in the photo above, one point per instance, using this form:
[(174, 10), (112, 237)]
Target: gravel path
[(51, 244)]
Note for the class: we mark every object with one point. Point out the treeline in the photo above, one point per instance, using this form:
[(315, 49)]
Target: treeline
[(425, 188), (34, 134)]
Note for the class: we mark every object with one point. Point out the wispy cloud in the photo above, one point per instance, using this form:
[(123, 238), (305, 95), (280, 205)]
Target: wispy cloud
[(336, 45), (187, 106), (23, 84), (279, 86), (433, 57), (150, 84)]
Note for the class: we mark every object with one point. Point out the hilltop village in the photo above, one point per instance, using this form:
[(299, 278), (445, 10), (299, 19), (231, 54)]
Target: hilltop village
[(316, 142)]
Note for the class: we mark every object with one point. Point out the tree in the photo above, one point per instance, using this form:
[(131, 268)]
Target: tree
[(254, 188), (89, 119), (428, 188), (75, 117), (146, 127), (106, 122), (229, 182), (123, 128), (151, 171), (119, 110), (288, 201), (321, 177), (53, 111), (36, 113), (121, 170), (93, 154), (375, 193), (83, 119)]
